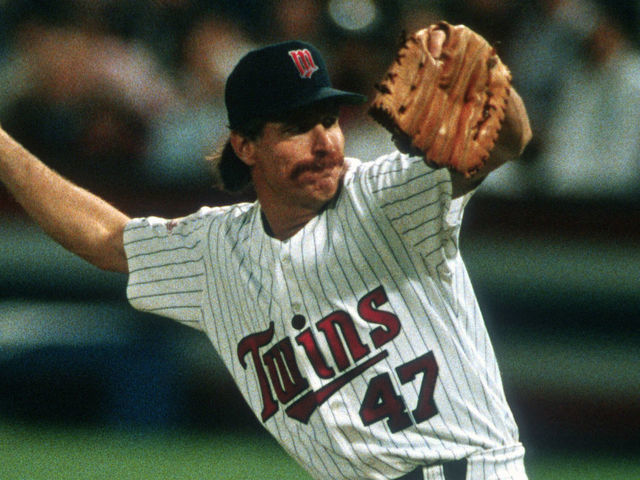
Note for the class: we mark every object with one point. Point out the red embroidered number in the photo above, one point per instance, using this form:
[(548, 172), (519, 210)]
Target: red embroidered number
[(382, 401)]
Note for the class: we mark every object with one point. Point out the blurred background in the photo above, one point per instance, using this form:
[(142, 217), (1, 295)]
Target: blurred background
[(125, 98)]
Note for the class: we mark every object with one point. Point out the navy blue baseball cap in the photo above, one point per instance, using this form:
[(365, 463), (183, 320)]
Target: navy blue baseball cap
[(277, 79)]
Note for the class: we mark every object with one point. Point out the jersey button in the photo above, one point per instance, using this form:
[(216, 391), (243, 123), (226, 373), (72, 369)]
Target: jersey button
[(298, 321)]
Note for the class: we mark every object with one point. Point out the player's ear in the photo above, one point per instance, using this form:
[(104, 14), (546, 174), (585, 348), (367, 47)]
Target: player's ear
[(243, 147)]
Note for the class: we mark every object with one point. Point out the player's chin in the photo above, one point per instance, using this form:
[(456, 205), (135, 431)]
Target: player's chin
[(320, 187), (324, 182)]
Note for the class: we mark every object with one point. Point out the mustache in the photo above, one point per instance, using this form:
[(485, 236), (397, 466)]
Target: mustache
[(317, 165)]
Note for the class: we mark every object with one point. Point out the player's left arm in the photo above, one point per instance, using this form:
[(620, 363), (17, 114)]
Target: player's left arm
[(514, 136)]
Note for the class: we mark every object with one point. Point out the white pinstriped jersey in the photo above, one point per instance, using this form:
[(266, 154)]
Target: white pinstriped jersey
[(358, 342)]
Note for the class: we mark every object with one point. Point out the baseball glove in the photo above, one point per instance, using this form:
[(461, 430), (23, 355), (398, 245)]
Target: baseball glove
[(449, 109)]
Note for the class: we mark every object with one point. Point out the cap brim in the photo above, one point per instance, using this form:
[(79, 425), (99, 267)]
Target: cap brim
[(330, 93)]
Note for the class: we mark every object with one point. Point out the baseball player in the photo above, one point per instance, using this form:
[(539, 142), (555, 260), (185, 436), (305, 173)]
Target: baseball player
[(338, 300)]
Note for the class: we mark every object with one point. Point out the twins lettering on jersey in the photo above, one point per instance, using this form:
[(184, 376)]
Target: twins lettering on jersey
[(282, 383)]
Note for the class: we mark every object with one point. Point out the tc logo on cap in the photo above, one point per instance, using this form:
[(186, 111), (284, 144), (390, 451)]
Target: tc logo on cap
[(303, 61)]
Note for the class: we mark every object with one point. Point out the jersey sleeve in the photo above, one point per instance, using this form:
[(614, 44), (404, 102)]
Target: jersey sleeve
[(417, 201), (166, 267)]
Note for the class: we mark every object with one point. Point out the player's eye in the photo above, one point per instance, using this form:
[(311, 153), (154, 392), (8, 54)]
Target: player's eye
[(292, 129), (329, 121)]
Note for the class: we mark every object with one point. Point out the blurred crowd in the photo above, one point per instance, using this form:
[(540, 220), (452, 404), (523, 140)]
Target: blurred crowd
[(127, 95)]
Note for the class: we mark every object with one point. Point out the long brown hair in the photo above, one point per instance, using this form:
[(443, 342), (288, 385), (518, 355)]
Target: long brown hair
[(230, 173)]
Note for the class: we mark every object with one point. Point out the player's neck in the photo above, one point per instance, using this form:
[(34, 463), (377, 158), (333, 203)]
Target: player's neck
[(283, 224), (284, 214)]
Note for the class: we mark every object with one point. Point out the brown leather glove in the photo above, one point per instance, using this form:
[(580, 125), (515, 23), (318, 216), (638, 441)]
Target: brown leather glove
[(450, 108)]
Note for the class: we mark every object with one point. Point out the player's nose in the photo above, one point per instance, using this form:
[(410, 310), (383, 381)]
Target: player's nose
[(321, 138)]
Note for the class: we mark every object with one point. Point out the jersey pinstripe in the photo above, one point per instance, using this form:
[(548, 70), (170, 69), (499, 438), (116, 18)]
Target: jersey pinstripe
[(358, 342)]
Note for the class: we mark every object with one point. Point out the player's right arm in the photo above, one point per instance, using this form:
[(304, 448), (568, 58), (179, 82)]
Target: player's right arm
[(77, 219)]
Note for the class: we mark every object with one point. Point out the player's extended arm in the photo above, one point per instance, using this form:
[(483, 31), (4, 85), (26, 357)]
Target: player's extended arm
[(80, 221)]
